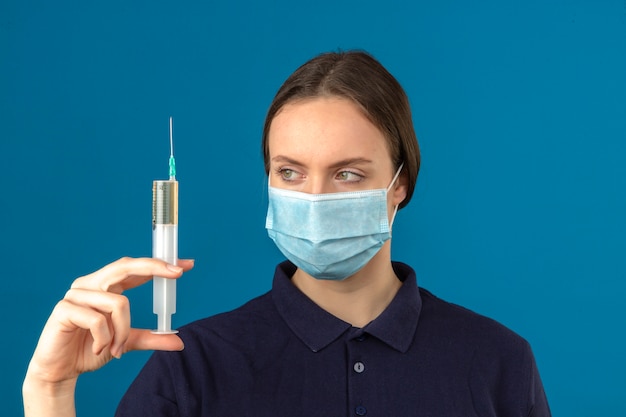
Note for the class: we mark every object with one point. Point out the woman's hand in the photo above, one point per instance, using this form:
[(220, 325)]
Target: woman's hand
[(89, 327)]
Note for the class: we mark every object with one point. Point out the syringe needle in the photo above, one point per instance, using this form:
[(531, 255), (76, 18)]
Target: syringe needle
[(172, 162), (171, 139)]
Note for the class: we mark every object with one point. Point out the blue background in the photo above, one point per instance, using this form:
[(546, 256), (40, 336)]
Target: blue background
[(519, 213)]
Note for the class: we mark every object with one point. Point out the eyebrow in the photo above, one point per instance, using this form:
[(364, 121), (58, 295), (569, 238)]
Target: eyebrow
[(343, 162)]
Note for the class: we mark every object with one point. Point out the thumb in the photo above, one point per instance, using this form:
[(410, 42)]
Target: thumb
[(141, 339)]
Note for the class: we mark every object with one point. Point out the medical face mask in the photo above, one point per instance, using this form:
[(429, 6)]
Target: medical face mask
[(329, 236)]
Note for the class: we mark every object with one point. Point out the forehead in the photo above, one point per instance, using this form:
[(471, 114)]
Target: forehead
[(325, 127)]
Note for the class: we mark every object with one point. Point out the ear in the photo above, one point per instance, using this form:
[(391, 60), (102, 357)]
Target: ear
[(399, 190)]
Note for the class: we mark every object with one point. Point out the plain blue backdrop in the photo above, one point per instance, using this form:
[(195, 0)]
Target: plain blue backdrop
[(519, 213)]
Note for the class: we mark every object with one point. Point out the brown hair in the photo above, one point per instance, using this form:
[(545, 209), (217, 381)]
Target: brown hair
[(359, 77)]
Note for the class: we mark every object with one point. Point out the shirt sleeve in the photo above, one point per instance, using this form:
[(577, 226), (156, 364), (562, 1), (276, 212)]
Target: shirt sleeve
[(537, 396)]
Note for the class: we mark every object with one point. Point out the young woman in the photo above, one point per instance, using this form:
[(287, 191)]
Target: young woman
[(344, 330)]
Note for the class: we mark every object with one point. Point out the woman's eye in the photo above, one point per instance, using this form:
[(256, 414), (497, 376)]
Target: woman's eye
[(287, 174), (349, 176)]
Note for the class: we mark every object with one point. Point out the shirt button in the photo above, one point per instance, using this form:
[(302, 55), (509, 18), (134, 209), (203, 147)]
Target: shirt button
[(361, 338), (359, 367), (360, 410)]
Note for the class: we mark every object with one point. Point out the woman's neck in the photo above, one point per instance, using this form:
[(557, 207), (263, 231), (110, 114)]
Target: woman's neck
[(358, 299)]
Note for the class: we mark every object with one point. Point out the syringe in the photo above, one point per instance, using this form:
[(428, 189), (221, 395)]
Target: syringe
[(165, 243)]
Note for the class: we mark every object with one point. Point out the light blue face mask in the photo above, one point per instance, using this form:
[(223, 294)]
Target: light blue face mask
[(329, 236)]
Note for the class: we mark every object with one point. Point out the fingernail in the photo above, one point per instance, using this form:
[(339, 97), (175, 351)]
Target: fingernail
[(174, 268), (116, 352)]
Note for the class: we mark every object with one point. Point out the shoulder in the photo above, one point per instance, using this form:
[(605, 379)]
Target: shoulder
[(246, 336), (454, 322), (246, 326), (499, 364), (220, 351)]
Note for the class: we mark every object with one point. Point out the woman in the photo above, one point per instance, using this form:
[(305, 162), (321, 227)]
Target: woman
[(344, 330)]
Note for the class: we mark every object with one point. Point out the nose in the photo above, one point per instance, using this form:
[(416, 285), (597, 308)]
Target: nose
[(317, 184)]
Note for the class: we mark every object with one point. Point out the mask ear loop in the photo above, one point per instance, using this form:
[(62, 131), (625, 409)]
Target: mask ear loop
[(395, 209), (395, 177)]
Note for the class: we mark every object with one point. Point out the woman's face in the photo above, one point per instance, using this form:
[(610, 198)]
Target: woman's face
[(326, 145)]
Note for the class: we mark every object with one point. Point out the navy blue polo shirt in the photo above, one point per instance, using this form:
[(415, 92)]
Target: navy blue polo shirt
[(280, 355)]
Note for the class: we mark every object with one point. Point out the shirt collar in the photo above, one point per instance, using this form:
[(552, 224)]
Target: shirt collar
[(317, 328)]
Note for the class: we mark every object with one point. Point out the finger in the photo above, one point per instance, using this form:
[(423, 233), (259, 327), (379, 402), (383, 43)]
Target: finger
[(141, 339), (116, 306), (72, 316), (132, 281), (186, 264), (127, 273)]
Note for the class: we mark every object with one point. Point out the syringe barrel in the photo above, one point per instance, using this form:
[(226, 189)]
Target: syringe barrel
[(164, 247)]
